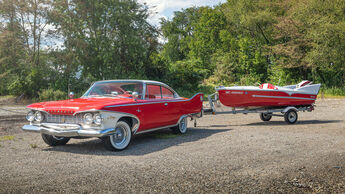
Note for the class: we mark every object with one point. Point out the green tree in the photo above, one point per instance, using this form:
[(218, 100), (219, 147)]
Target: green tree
[(110, 39)]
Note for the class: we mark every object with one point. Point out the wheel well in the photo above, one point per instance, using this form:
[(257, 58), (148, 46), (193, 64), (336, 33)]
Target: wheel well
[(132, 122)]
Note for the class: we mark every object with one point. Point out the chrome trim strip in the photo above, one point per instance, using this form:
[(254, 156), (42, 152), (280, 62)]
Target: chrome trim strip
[(300, 98), (154, 129), (144, 103), (158, 128)]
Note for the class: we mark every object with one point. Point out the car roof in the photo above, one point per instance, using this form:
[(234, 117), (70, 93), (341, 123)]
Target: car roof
[(140, 81), (132, 80)]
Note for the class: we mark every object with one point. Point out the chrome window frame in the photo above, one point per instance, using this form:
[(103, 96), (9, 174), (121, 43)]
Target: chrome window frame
[(143, 82)]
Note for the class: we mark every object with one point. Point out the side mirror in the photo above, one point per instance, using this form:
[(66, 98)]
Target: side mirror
[(135, 95), (71, 95)]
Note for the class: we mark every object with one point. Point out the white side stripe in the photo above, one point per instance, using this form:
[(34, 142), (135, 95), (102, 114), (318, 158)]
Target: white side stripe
[(300, 98)]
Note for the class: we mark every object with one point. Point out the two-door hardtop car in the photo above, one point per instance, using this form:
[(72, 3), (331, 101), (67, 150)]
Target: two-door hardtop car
[(113, 110)]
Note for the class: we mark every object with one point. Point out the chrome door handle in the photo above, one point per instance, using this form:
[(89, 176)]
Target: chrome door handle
[(165, 104)]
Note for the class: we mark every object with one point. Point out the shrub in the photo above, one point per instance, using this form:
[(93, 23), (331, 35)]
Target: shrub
[(50, 94), (333, 91)]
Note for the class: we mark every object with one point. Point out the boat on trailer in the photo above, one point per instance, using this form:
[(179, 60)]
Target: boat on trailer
[(267, 100)]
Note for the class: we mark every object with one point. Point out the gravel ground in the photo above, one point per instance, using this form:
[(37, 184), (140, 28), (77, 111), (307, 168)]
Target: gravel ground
[(224, 153)]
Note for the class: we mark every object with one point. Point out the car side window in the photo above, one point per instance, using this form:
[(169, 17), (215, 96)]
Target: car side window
[(166, 93), (153, 92)]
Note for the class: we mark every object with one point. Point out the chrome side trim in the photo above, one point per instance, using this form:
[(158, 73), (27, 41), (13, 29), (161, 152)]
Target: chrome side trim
[(300, 98), (158, 128), (144, 103), (154, 129)]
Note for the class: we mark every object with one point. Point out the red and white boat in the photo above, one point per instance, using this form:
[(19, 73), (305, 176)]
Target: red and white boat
[(268, 95), (267, 100)]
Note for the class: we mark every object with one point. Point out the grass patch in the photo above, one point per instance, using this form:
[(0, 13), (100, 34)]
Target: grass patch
[(7, 138), (33, 146), (332, 92), (330, 96), (169, 135), (7, 97)]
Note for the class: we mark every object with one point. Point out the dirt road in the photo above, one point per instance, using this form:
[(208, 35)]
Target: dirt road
[(224, 153)]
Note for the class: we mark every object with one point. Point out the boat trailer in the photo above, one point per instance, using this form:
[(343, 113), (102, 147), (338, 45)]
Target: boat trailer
[(266, 113)]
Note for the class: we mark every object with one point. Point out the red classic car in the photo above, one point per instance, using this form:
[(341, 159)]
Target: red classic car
[(113, 110)]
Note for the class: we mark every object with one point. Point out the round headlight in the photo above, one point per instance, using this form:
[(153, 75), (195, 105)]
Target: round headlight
[(97, 119), (88, 119), (30, 116), (39, 116)]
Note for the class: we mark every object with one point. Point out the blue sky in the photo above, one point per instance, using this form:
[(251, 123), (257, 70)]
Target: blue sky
[(166, 8)]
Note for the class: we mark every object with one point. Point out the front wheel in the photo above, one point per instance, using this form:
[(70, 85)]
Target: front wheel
[(265, 116), (291, 116), (54, 140), (181, 127), (120, 139)]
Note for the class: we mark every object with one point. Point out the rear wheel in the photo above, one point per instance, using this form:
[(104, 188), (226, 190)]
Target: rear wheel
[(265, 116), (54, 140), (291, 116), (181, 127), (120, 139)]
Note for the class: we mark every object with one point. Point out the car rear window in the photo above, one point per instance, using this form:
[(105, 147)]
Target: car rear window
[(153, 92)]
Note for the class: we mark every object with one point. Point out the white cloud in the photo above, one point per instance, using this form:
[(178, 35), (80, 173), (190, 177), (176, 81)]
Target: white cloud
[(165, 8)]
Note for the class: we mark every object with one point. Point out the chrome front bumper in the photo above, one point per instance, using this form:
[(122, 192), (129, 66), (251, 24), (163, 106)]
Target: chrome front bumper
[(67, 130)]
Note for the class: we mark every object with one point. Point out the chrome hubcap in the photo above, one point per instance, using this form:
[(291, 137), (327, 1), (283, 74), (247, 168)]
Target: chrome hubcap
[(121, 137), (292, 116), (183, 125)]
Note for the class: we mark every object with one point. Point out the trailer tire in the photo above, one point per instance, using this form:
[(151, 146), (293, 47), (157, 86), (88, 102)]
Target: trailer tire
[(265, 116), (291, 116)]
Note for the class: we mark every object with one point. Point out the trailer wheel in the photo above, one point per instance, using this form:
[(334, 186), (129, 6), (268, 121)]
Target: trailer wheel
[(291, 116), (265, 116)]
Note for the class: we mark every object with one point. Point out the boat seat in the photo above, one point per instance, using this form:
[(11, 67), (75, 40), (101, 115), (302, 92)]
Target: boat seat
[(303, 83), (268, 86)]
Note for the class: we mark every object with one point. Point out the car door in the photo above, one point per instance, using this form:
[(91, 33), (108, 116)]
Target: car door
[(153, 109), (172, 106)]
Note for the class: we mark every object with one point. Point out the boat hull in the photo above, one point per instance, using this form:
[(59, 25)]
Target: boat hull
[(268, 98)]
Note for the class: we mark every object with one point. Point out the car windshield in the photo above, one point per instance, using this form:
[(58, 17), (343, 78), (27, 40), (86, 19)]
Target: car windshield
[(114, 89)]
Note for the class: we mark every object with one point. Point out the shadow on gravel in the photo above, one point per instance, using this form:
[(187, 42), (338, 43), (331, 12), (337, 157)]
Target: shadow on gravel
[(140, 145), (305, 122)]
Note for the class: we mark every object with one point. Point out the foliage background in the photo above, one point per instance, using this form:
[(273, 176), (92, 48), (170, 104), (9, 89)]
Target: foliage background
[(240, 42)]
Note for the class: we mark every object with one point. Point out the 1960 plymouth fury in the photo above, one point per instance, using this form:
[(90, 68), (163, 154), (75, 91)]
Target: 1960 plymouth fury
[(113, 110)]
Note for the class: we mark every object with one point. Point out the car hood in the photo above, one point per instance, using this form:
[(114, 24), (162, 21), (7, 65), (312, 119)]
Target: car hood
[(77, 105)]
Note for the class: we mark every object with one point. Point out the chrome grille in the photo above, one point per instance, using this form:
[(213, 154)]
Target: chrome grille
[(64, 119)]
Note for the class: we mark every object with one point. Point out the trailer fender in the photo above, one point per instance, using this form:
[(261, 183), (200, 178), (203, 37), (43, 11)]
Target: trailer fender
[(289, 108)]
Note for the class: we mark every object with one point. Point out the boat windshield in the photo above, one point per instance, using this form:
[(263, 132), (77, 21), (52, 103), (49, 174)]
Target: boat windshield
[(114, 89)]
